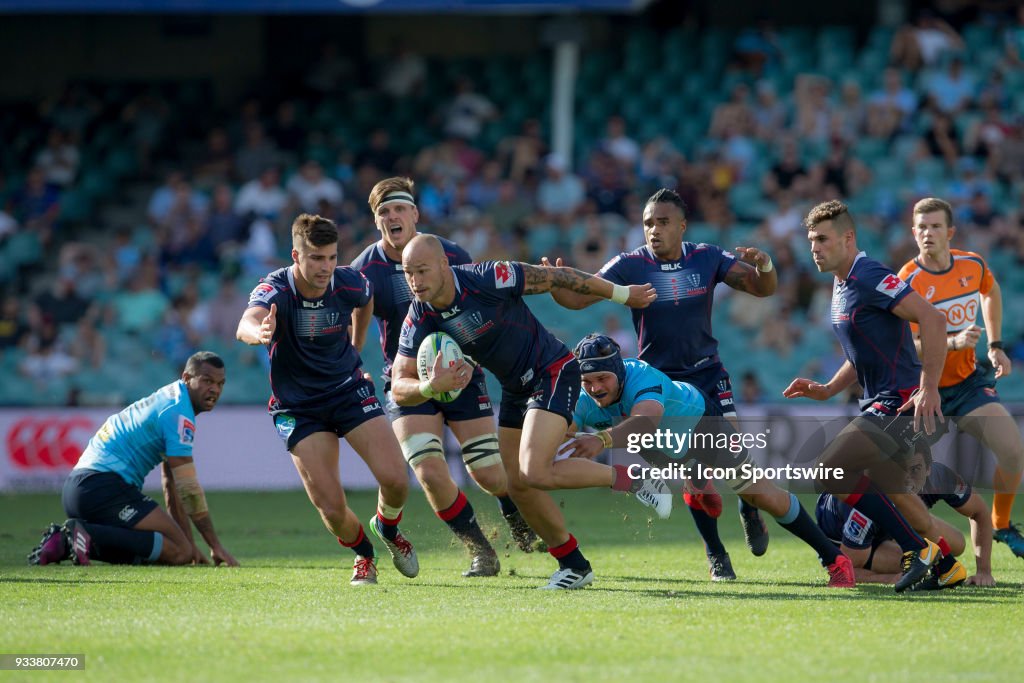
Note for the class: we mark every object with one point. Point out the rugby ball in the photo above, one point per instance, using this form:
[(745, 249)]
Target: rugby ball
[(438, 343)]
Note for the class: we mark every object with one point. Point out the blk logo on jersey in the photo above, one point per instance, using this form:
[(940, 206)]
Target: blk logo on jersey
[(313, 304), (671, 266), (450, 314), (891, 286), (504, 275)]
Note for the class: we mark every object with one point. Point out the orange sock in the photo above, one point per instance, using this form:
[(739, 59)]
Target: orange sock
[(1005, 486)]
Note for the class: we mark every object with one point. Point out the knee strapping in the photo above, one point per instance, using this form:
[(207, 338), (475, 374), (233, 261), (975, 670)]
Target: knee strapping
[(418, 447), (481, 451)]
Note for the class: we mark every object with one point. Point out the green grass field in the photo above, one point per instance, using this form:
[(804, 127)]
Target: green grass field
[(289, 613)]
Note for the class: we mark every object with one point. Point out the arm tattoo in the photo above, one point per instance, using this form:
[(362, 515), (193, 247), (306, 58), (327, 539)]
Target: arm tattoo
[(540, 280), (740, 276)]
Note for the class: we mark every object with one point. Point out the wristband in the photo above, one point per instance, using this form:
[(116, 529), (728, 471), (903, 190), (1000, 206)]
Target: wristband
[(606, 438), (620, 293), (995, 345), (766, 268), (426, 390)]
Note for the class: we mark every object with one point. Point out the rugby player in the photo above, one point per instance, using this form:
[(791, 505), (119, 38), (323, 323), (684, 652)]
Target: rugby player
[(419, 429), (627, 397), (481, 307), (871, 308), (302, 315), (110, 519)]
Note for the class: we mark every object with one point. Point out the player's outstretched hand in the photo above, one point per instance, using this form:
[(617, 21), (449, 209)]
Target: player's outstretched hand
[(546, 263), (1001, 362), (269, 325), (641, 296), (983, 579), (221, 556), (754, 257), (927, 406), (807, 388)]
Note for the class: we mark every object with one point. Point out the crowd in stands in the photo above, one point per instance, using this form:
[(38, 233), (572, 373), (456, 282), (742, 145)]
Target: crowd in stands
[(940, 116)]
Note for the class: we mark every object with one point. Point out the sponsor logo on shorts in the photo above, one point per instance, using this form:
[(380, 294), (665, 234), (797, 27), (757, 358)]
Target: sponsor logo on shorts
[(857, 526), (285, 426), (126, 513)]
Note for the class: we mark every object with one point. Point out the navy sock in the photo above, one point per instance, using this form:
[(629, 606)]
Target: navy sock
[(707, 527), (797, 522), (882, 511), (118, 545), (508, 507), (361, 546), (461, 519), (568, 555), (388, 527)]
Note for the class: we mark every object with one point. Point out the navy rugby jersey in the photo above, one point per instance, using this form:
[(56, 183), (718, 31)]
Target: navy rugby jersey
[(842, 523), (311, 355), (391, 293), (877, 341), (674, 333), (490, 321)]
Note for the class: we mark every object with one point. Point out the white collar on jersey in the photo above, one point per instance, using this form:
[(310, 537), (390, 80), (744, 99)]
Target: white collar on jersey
[(458, 290), (291, 281)]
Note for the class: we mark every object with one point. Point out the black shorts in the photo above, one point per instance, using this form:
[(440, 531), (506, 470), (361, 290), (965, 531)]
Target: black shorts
[(715, 383), (104, 498), (340, 414), (555, 390), (893, 432), (471, 404), (977, 390)]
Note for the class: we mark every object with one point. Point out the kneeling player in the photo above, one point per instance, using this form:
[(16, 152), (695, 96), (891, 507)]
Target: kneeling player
[(110, 519), (615, 388), (877, 557)]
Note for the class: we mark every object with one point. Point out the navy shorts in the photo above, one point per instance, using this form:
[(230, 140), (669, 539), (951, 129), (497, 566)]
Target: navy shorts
[(893, 431), (340, 414), (471, 404), (555, 390), (104, 498), (711, 452), (975, 391), (715, 383)]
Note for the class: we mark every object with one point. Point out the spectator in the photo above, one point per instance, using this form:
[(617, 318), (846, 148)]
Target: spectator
[(467, 112), (142, 306), (922, 43), (329, 73), (256, 154), (522, 155), (890, 109), (219, 313), (510, 210), (622, 148), (769, 114), (217, 164), (36, 206), (757, 50), (59, 160), (310, 186), (13, 329), (404, 74), (625, 338), (561, 192), (62, 303), (751, 391), (287, 133), (952, 91), (263, 196), (175, 195), (378, 153)]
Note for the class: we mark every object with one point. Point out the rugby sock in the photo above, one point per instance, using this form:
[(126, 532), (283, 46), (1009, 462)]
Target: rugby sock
[(880, 509), (1005, 485), (568, 555), (707, 527), (623, 482), (508, 507), (947, 560), (361, 545), (389, 525), (117, 545), (797, 522), (460, 518)]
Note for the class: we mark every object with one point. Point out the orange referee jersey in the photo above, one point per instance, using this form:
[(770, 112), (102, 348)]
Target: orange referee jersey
[(956, 292)]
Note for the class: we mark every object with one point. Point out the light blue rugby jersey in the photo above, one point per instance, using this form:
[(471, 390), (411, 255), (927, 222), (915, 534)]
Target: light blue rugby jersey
[(135, 440), (683, 403)]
